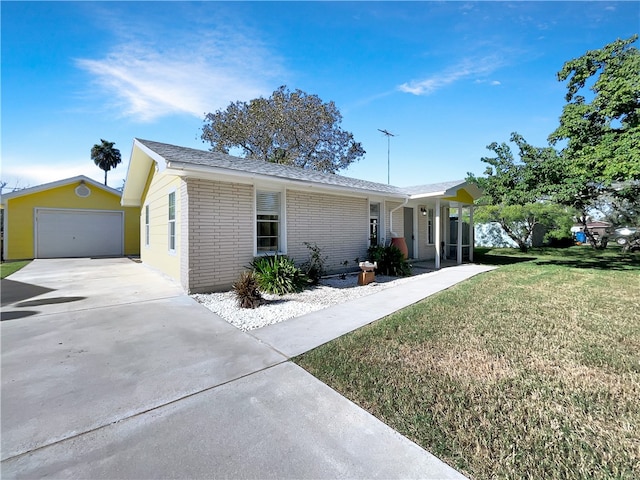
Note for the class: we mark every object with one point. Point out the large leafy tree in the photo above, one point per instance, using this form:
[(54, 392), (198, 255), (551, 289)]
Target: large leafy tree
[(105, 156), (599, 128), (292, 128), (516, 192)]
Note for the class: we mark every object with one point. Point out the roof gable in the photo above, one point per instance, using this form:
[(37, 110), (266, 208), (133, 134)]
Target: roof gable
[(58, 184)]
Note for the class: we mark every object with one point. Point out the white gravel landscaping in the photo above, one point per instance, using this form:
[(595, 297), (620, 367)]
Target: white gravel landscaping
[(330, 291)]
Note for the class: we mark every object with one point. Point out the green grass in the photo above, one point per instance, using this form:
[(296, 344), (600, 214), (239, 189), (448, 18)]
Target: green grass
[(528, 371), (7, 268)]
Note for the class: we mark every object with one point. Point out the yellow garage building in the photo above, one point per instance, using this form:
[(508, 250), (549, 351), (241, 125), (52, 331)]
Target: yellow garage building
[(75, 217)]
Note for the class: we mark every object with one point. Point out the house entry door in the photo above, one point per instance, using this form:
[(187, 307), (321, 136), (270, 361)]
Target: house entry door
[(408, 230)]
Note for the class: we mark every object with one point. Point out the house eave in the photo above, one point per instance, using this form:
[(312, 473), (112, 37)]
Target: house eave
[(236, 176), (427, 195), (142, 160)]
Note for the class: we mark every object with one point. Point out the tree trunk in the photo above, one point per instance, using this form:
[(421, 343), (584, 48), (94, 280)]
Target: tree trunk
[(105, 177), (592, 240), (522, 245)]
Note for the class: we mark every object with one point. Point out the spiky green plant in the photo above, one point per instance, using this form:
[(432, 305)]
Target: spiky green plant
[(277, 274)]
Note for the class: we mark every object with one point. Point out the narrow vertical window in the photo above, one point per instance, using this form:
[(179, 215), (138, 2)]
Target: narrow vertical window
[(146, 225), (374, 223), (430, 226), (268, 222), (172, 221)]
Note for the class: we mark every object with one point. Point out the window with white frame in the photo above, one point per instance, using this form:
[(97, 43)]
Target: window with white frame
[(430, 232), (268, 217), (146, 225), (172, 222)]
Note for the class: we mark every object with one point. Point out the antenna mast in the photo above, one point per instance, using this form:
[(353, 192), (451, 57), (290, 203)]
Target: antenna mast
[(388, 135)]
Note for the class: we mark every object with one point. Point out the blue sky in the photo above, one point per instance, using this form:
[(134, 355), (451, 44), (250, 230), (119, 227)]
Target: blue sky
[(447, 78)]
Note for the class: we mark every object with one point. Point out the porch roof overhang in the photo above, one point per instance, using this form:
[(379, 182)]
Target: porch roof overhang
[(459, 191)]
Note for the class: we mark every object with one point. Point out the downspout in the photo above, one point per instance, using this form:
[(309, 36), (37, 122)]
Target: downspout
[(394, 234)]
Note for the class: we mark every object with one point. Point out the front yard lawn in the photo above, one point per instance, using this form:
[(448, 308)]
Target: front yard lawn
[(528, 371), (7, 268)]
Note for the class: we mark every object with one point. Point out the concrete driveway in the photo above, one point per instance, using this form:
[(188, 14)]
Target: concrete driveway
[(110, 371)]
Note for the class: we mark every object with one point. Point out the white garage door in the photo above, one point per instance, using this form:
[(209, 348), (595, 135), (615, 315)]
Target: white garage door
[(78, 233)]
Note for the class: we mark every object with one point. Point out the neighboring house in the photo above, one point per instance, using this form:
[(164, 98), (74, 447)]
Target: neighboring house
[(204, 216), (491, 234), (596, 227), (75, 217)]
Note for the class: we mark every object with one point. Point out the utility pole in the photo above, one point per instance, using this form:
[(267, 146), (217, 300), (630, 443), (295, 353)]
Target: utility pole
[(389, 135)]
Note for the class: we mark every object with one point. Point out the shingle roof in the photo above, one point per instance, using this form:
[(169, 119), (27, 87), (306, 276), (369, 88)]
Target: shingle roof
[(173, 154), (432, 187)]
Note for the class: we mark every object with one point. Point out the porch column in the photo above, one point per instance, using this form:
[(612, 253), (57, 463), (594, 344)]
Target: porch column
[(459, 241), (436, 220), (472, 240)]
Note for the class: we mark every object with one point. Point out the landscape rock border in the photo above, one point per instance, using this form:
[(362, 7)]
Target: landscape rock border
[(330, 291)]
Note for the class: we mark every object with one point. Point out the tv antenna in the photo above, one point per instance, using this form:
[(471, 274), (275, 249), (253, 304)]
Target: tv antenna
[(388, 135)]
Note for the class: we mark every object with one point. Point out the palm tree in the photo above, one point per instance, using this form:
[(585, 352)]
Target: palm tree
[(105, 156)]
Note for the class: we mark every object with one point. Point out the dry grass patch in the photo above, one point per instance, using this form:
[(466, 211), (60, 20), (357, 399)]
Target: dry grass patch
[(464, 364), (529, 371)]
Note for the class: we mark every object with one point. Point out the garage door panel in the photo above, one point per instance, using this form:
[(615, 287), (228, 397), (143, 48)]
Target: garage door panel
[(78, 233)]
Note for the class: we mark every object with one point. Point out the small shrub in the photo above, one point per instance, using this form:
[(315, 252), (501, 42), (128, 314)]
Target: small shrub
[(563, 242), (278, 274), (314, 267), (247, 291), (390, 260)]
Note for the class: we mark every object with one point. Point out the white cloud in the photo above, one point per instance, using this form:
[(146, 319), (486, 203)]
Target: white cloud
[(496, 83), (463, 70), (29, 174), (198, 74)]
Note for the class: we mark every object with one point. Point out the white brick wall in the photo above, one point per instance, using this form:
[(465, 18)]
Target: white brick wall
[(220, 233), (219, 224), (338, 225)]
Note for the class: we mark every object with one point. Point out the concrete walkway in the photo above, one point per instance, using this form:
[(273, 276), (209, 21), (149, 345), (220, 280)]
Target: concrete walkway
[(298, 335), (110, 371)]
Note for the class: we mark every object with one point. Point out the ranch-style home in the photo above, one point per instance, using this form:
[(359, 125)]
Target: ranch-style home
[(204, 215), (74, 217)]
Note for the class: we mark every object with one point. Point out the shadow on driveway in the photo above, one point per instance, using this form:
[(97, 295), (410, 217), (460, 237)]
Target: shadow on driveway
[(49, 301), (16, 314), (13, 291)]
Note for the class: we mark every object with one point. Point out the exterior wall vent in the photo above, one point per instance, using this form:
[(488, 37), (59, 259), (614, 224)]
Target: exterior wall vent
[(83, 191)]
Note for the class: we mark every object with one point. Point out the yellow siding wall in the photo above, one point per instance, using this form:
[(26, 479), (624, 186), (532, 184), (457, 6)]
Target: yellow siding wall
[(157, 254), (20, 226)]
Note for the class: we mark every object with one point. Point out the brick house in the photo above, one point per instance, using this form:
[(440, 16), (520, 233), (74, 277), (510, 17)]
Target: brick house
[(204, 216)]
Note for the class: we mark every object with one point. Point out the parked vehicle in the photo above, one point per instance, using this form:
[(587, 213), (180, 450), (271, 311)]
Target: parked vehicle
[(628, 238)]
